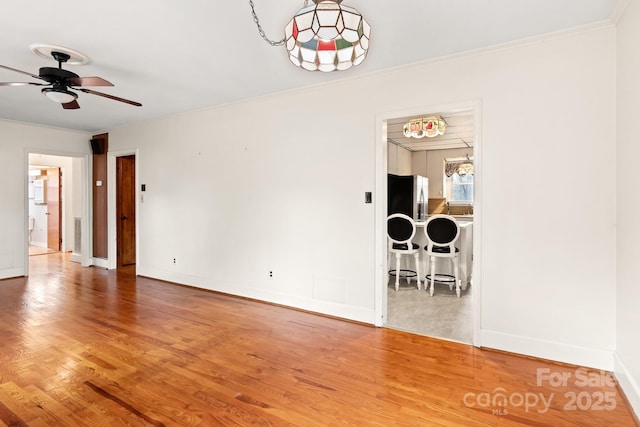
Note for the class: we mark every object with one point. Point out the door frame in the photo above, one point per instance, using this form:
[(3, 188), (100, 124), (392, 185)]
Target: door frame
[(112, 226), (380, 243), (86, 240)]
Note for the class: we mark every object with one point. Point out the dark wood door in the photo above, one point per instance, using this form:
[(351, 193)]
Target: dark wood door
[(54, 208), (126, 209)]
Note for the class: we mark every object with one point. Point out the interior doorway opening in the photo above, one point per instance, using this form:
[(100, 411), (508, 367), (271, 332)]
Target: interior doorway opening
[(443, 315), (56, 206)]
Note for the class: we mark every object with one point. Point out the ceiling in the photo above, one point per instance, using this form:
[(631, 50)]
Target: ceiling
[(177, 56)]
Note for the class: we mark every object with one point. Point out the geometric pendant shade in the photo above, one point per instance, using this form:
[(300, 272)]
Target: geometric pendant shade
[(327, 37)]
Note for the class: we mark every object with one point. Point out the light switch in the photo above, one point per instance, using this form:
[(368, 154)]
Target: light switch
[(367, 197), (98, 183)]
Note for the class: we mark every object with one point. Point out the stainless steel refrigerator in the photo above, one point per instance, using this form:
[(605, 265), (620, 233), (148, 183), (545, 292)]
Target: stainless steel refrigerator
[(408, 194)]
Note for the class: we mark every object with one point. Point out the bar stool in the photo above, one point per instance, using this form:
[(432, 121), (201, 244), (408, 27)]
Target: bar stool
[(442, 231), (401, 230)]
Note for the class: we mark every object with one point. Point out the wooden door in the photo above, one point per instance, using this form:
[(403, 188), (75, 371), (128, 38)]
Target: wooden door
[(54, 208), (126, 210)]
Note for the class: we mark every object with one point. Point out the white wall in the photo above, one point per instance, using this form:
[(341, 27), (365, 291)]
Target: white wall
[(16, 140), (236, 191), (628, 204)]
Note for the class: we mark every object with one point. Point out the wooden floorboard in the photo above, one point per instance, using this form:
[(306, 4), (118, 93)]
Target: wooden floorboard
[(92, 347)]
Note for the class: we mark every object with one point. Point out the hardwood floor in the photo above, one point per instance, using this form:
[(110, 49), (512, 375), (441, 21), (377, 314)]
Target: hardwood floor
[(38, 250), (91, 347)]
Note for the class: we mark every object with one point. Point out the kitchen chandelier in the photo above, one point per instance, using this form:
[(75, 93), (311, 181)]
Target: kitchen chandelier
[(426, 126), (325, 36)]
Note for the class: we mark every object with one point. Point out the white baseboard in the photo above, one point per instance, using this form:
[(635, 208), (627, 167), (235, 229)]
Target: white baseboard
[(38, 244), (9, 273), (344, 311), (76, 257), (559, 352), (100, 262), (628, 384)]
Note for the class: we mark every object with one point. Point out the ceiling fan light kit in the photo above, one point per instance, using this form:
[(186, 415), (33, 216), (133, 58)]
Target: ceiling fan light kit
[(61, 80), (59, 94), (325, 36)]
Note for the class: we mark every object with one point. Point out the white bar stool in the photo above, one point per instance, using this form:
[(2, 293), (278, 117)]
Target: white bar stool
[(401, 229)]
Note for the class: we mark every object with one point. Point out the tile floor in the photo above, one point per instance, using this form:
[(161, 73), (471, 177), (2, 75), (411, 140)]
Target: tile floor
[(442, 315)]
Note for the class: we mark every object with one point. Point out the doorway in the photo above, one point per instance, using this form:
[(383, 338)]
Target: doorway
[(56, 205), (410, 309)]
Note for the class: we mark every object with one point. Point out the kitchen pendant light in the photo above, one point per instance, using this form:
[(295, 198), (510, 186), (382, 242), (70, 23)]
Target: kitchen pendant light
[(426, 126), (325, 36)]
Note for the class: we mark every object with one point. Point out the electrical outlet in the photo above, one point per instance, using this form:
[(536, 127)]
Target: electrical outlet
[(174, 260), (270, 274)]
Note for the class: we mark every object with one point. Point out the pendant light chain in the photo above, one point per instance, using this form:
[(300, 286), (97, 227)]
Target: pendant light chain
[(325, 37), (261, 31)]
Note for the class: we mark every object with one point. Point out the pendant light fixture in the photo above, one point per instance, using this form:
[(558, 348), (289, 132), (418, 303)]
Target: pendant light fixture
[(325, 36), (426, 126)]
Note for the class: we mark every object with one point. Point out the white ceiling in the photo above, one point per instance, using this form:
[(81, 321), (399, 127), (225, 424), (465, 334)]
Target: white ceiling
[(176, 56)]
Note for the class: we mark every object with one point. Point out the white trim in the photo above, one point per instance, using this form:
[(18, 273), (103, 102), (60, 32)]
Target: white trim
[(618, 11), (476, 264), (63, 208), (9, 273), (380, 244), (328, 308), (112, 235), (544, 349), (100, 262), (86, 220), (628, 384), (380, 215)]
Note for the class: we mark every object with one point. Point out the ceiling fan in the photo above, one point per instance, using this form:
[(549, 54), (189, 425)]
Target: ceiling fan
[(59, 81)]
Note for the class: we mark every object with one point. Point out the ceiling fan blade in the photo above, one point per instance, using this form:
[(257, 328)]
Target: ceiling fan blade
[(21, 84), (115, 98), (89, 81), (73, 105), (35, 76)]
